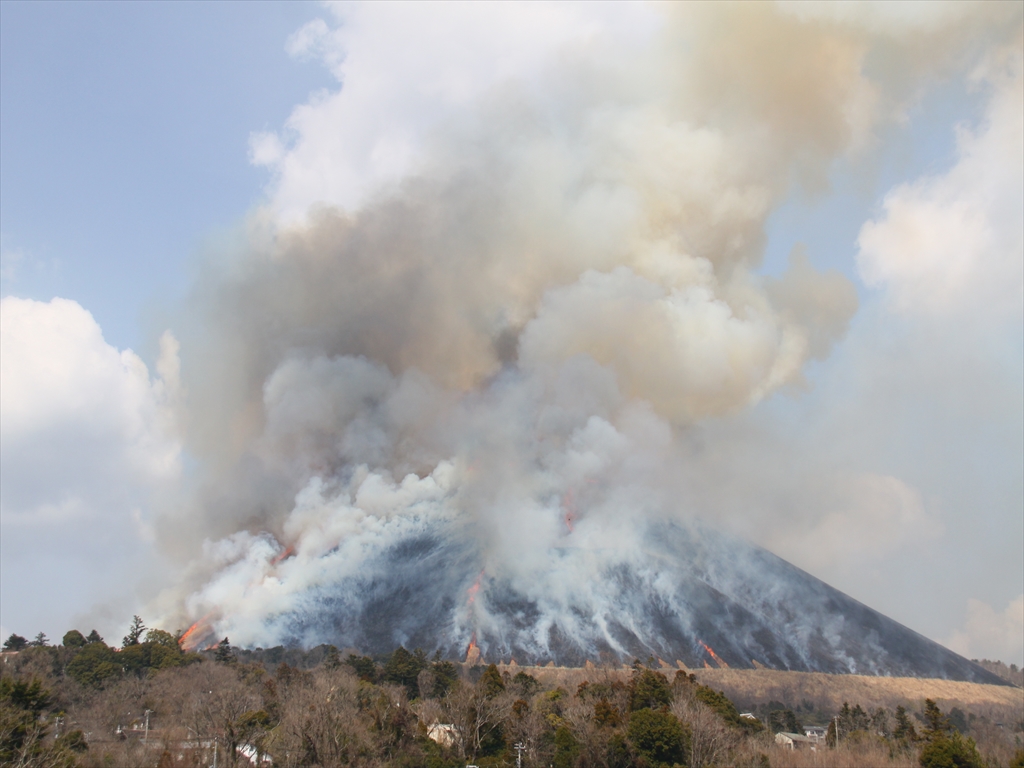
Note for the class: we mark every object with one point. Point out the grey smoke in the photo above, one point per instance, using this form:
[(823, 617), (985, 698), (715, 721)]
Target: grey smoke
[(515, 349)]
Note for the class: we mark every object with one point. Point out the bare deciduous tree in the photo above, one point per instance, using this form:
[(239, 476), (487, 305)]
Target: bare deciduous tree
[(711, 738)]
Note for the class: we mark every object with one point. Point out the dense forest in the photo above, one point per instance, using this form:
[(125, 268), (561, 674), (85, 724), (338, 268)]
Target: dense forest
[(147, 702)]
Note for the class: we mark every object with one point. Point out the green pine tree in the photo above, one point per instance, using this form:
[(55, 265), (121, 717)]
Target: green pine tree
[(951, 750), (224, 653), (332, 659), (15, 643), (134, 632)]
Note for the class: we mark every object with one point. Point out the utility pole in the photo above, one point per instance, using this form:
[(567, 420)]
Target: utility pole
[(145, 739), (519, 747)]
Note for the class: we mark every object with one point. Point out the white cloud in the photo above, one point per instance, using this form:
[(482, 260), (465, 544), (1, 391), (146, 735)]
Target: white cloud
[(265, 148), (87, 437), (309, 41), (75, 410), (991, 634), (953, 244), (928, 385)]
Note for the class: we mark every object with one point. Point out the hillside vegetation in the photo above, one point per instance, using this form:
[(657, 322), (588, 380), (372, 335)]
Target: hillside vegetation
[(828, 692), (1011, 674), (84, 704)]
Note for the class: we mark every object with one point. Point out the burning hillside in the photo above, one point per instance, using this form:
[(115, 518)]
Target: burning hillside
[(692, 596), (502, 404)]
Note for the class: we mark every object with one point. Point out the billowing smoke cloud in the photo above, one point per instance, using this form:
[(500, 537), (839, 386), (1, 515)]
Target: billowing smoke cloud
[(508, 344)]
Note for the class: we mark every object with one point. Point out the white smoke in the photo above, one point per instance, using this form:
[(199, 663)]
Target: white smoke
[(509, 330)]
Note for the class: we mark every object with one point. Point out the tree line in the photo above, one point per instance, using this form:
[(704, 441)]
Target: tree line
[(147, 702)]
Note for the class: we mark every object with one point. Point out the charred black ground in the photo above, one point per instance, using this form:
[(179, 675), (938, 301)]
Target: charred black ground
[(701, 598)]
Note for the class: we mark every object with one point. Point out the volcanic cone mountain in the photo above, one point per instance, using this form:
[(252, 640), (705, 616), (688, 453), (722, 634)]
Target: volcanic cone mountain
[(701, 598)]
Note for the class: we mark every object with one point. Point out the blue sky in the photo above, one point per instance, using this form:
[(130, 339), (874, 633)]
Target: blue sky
[(125, 143), (147, 149)]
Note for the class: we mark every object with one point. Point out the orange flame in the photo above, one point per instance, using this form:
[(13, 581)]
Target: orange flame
[(183, 640), (197, 637), (472, 591), (713, 655), (283, 556), (200, 637), (472, 651)]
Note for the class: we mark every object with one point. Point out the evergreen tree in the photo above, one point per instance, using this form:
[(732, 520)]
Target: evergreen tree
[(93, 637), (648, 689), (725, 709), (859, 720), (94, 664), (445, 676), (15, 643), (525, 683), (958, 720), (21, 736), (658, 736), (950, 751), (619, 754), (783, 720), (845, 716), (567, 749), (605, 714), (134, 632), (164, 638), (935, 722), (402, 668), (40, 640), (904, 730), (224, 653), (364, 667), (491, 682), (832, 734), (73, 639), (332, 659), (880, 722)]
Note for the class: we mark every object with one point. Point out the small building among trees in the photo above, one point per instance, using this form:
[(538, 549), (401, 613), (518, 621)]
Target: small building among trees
[(793, 740), (816, 733)]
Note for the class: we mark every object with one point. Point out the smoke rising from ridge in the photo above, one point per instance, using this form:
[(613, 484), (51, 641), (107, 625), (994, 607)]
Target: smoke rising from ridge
[(509, 347)]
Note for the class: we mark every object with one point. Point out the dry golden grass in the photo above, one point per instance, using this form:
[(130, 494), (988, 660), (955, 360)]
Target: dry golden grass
[(857, 756), (828, 692), (751, 687), (862, 753)]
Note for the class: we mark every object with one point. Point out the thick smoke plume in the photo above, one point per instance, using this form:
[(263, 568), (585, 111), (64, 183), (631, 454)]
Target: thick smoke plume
[(485, 377)]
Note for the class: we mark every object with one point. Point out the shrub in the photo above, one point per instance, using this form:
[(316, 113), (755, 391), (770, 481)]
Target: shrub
[(649, 689), (951, 751), (658, 736)]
